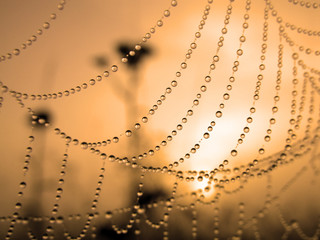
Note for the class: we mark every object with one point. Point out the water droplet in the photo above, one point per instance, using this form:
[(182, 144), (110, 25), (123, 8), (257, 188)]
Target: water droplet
[(183, 65), (203, 88), (275, 109), (174, 3), (234, 153), (60, 6), (218, 114), (261, 150), (160, 23), (272, 121), (193, 45), (53, 16), (41, 121), (174, 83), (108, 215), (92, 82), (163, 143), (16, 51), (114, 68), (103, 156), (84, 86), (115, 139), (267, 138), (190, 113), (46, 25), (166, 13), (128, 133), (226, 96), (84, 145), (106, 73), (144, 119), (18, 205), (23, 185), (206, 135)]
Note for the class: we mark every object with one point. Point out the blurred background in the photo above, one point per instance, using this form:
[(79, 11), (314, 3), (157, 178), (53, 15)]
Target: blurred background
[(86, 39)]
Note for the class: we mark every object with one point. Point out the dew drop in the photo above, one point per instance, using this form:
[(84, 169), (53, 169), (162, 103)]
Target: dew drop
[(206, 135), (53, 16), (218, 114), (144, 120), (92, 82), (174, 83), (234, 153), (128, 133), (207, 79), (18, 205), (275, 109), (23, 185), (226, 96), (84, 145), (112, 158), (166, 13), (261, 150), (190, 113), (114, 68), (106, 74), (16, 51), (183, 65), (267, 138), (174, 3), (46, 25), (160, 23)]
